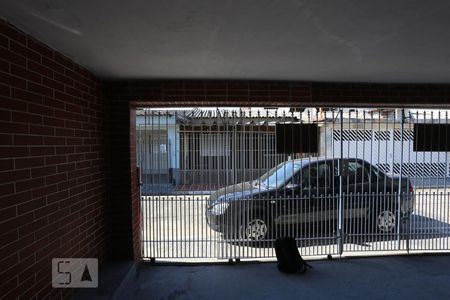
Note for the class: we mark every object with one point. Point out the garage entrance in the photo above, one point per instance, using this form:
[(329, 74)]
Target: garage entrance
[(223, 183)]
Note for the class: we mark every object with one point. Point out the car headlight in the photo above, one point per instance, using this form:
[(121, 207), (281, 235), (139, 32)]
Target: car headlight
[(219, 208)]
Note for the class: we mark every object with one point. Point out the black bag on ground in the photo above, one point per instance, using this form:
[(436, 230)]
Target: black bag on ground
[(289, 259)]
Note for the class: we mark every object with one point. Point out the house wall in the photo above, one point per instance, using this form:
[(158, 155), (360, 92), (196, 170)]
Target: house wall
[(227, 157), (52, 165), (424, 168)]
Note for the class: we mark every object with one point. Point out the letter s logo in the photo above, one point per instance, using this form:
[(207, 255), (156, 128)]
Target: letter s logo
[(68, 276)]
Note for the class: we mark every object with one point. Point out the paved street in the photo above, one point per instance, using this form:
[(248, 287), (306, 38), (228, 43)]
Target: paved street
[(175, 227)]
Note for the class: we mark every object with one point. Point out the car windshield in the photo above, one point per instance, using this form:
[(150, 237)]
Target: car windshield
[(277, 176)]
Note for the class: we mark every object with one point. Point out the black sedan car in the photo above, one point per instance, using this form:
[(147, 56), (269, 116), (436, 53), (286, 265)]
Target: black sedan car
[(306, 191)]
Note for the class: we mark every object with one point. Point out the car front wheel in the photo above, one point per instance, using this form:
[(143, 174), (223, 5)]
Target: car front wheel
[(386, 221), (255, 229)]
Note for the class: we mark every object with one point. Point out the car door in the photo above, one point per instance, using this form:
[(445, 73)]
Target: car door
[(356, 181), (323, 204), (312, 184), (289, 205), (282, 199)]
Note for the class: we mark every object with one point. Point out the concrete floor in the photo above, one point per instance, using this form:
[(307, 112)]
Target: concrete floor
[(396, 277)]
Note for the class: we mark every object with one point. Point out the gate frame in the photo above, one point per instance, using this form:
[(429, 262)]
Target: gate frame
[(341, 234), (123, 96)]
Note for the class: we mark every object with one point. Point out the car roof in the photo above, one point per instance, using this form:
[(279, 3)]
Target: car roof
[(308, 160)]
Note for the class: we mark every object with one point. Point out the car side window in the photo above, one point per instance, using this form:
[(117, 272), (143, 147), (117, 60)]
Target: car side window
[(314, 176), (355, 172)]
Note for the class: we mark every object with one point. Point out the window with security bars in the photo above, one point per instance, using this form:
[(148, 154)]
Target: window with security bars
[(431, 137), (241, 155)]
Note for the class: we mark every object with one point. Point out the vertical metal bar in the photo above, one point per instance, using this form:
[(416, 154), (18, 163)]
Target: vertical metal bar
[(143, 203), (177, 169), (144, 186), (189, 169), (416, 178), (438, 178), (340, 206), (149, 201), (167, 182), (158, 189), (218, 238), (251, 154), (430, 178), (362, 198), (210, 160), (334, 165), (399, 196), (153, 191), (447, 171), (447, 167)]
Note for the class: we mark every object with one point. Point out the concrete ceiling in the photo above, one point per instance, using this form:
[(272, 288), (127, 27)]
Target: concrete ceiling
[(317, 40)]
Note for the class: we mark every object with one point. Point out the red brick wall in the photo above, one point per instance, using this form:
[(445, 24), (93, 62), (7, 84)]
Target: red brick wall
[(52, 170), (278, 93), (123, 187)]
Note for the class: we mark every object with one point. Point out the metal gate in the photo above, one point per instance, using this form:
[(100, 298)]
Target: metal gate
[(222, 183)]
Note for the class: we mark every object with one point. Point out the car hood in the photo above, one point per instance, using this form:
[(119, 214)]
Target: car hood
[(236, 191)]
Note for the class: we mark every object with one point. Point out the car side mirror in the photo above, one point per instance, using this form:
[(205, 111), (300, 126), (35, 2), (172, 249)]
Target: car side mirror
[(292, 186)]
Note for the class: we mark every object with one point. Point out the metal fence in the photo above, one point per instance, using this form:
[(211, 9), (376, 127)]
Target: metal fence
[(225, 183)]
